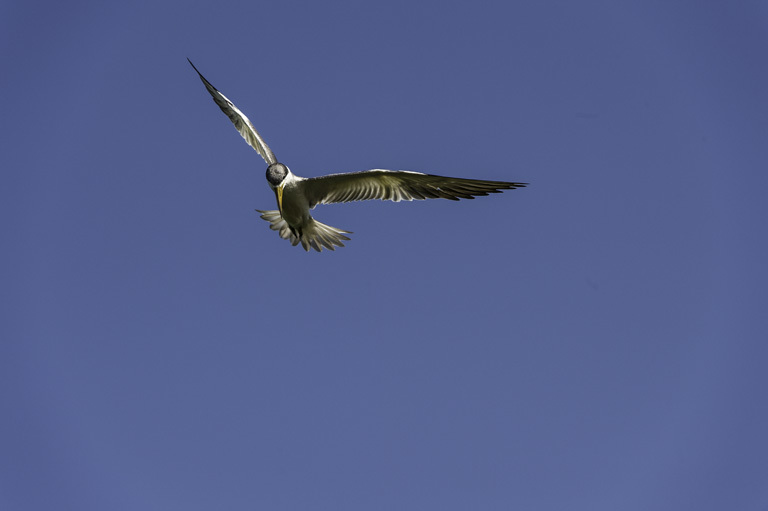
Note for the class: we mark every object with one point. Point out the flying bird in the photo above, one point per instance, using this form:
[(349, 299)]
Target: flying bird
[(297, 195)]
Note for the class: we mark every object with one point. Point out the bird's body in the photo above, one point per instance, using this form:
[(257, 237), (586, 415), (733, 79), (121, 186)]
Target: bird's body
[(297, 195)]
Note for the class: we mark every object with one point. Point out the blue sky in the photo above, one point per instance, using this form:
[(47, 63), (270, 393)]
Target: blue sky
[(595, 341)]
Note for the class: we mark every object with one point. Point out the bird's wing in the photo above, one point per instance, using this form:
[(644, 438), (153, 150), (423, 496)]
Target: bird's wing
[(396, 186), (240, 121)]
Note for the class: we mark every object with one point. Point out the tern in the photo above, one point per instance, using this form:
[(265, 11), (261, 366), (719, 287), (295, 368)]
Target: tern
[(297, 195)]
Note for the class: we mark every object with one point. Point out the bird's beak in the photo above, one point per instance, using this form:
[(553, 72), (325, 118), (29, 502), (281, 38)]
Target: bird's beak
[(280, 199)]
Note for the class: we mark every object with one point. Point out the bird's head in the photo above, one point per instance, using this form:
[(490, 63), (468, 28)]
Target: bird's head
[(276, 174)]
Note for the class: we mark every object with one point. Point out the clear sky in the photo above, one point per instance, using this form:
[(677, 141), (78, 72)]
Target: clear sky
[(596, 341)]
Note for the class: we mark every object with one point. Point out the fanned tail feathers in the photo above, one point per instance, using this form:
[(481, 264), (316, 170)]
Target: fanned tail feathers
[(314, 234)]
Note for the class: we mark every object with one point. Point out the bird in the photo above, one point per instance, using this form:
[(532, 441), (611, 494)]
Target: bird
[(296, 195)]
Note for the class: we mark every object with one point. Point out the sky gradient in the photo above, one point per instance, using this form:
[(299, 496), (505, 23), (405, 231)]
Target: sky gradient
[(595, 341)]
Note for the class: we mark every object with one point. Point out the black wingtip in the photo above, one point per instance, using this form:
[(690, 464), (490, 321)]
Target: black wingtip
[(193, 66)]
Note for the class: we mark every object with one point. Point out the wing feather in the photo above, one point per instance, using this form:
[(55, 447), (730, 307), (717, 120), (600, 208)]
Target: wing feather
[(396, 185), (238, 118)]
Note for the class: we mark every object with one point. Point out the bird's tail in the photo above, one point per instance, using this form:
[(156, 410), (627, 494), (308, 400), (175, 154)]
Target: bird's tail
[(313, 234)]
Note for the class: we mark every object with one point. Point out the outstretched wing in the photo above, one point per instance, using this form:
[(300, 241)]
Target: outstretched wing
[(240, 121), (396, 185)]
